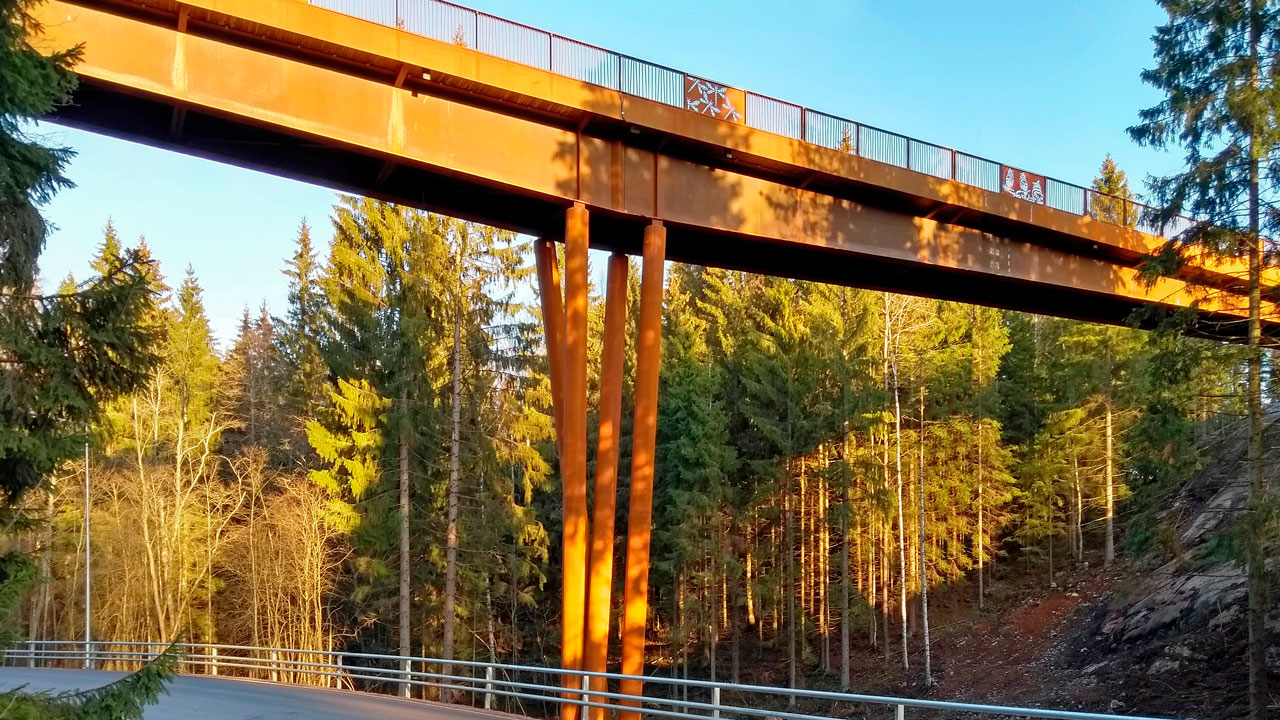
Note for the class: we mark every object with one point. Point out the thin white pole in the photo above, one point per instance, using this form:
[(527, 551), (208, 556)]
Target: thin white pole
[(88, 574)]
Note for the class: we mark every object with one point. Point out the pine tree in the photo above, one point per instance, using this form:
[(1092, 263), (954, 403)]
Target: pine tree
[(386, 326)]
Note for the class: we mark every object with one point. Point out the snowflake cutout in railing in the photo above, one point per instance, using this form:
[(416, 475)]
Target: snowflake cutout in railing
[(1034, 193), (708, 98)]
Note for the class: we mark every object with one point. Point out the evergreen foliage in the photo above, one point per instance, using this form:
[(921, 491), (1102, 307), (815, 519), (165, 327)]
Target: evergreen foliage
[(124, 699), (1112, 199), (811, 438), (1216, 64)]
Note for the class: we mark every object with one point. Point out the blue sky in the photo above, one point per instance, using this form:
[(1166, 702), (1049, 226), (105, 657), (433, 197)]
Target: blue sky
[(1047, 86)]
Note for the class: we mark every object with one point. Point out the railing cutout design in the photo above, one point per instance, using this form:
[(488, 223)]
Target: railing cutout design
[(520, 43)]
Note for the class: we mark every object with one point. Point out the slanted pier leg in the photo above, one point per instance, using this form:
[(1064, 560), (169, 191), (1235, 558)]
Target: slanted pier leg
[(595, 658), (640, 509)]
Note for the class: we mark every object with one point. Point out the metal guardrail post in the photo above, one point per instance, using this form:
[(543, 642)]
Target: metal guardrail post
[(899, 712), (488, 687), (715, 700), (31, 653)]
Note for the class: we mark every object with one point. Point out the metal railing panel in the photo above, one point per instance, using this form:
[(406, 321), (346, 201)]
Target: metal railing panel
[(882, 146), (587, 63), (383, 13), (1178, 226), (775, 116), (1145, 223), (441, 21), (978, 172), (513, 41), (652, 82), (830, 131), (929, 159), (1064, 196)]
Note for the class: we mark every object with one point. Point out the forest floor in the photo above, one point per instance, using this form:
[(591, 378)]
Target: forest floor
[(1016, 656), (1159, 634), (1066, 647)]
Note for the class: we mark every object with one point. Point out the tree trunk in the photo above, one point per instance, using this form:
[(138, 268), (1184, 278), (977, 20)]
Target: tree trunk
[(886, 538), (845, 587), (979, 538), (404, 541), (1077, 544), (451, 501), (824, 562), (792, 629), (1258, 491), (872, 587), (1109, 555), (924, 575), (902, 534), (751, 607)]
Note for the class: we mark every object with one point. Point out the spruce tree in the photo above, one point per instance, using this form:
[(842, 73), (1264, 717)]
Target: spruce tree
[(61, 355), (1216, 65), (1111, 200), (300, 335)]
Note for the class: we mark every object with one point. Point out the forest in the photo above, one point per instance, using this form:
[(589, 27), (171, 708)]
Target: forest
[(373, 468)]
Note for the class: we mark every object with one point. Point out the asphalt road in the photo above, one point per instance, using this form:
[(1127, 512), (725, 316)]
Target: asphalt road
[(227, 699)]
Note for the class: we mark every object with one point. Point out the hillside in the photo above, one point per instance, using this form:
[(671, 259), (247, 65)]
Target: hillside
[(1159, 634)]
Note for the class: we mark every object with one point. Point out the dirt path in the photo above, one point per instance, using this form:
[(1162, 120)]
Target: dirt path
[(1013, 658)]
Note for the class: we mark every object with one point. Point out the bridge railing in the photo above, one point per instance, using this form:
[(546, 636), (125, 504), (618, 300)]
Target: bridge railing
[(532, 691), (520, 43)]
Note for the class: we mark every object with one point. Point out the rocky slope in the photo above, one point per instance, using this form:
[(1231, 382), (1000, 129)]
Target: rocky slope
[(1163, 634)]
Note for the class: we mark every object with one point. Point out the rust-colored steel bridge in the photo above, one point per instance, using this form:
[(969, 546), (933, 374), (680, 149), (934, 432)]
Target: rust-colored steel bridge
[(441, 107)]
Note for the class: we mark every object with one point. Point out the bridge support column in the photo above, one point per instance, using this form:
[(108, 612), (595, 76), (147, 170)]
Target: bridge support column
[(544, 253), (595, 658), (573, 459), (640, 509)]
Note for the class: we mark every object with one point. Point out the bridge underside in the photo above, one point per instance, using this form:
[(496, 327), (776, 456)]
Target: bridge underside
[(260, 84), (105, 109)]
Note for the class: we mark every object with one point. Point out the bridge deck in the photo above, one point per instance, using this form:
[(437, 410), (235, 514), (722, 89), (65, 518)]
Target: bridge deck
[(210, 698), (302, 91)]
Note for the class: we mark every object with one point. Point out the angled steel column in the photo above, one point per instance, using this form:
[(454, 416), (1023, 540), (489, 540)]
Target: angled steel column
[(544, 253), (640, 510), (595, 657), (573, 462)]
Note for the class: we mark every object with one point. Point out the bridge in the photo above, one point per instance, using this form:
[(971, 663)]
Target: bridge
[(440, 107)]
